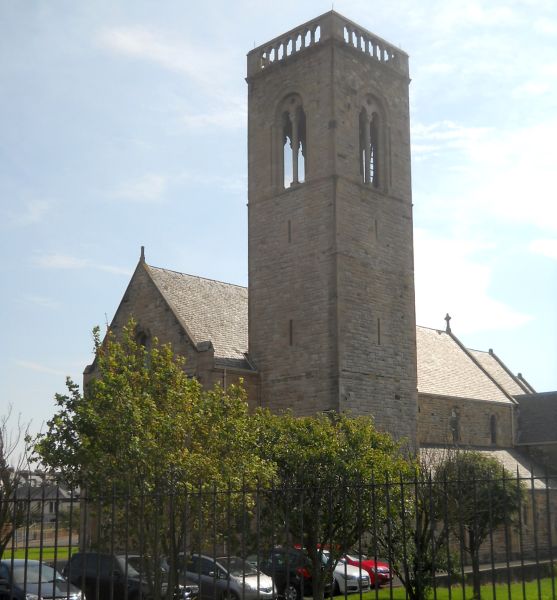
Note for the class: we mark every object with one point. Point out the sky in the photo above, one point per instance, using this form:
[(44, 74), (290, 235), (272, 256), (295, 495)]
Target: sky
[(124, 124)]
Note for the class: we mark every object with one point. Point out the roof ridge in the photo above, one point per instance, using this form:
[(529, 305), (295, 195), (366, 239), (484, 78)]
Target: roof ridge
[(431, 328), (479, 365), (510, 373), (244, 287)]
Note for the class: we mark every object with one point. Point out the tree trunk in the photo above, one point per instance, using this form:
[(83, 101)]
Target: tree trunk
[(474, 555)]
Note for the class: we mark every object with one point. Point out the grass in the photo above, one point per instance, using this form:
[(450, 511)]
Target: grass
[(48, 553), (502, 592)]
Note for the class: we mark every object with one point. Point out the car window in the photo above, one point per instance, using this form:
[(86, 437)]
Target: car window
[(192, 564), (33, 573), (4, 571), (236, 566), (102, 564), (278, 559), (207, 567)]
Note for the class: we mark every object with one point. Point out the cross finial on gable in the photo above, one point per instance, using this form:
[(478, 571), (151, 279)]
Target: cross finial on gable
[(448, 319)]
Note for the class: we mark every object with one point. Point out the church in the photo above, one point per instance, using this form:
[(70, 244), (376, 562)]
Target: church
[(327, 322)]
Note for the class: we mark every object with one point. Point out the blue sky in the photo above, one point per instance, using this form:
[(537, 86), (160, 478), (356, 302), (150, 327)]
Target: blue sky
[(124, 124)]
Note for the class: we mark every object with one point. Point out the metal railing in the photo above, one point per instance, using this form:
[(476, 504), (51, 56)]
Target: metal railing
[(181, 540)]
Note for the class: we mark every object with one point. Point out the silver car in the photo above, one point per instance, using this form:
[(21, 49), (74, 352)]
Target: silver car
[(228, 578)]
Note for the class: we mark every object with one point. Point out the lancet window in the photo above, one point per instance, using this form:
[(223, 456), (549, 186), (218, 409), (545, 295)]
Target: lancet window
[(493, 429), (294, 146), (370, 145)]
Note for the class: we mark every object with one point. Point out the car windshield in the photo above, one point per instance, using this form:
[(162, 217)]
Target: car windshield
[(326, 556), (35, 573), (132, 565), (236, 566), (356, 556)]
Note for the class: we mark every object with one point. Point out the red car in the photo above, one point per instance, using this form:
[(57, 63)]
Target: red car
[(379, 572)]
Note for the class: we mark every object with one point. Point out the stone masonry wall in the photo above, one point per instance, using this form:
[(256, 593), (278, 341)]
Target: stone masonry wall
[(474, 419), (331, 256)]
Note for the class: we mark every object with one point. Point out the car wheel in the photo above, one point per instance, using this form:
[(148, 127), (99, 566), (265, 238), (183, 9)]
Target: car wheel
[(291, 592), (228, 595), (336, 588)]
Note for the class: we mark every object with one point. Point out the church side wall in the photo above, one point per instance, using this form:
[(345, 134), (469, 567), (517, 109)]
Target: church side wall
[(436, 421)]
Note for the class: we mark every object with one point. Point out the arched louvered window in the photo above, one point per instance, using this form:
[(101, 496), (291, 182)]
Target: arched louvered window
[(294, 141)]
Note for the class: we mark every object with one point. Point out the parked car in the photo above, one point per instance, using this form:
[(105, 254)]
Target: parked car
[(111, 576), (22, 579), (188, 589), (379, 572), (228, 577), (291, 571), (348, 579)]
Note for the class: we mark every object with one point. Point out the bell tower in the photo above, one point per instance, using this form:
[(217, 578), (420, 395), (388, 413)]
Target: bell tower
[(331, 276)]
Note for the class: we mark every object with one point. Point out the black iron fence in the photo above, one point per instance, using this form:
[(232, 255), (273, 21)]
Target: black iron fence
[(399, 538)]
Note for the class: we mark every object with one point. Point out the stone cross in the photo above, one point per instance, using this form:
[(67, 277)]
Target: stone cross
[(448, 319)]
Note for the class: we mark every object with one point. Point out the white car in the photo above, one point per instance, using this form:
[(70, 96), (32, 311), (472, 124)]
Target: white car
[(348, 578)]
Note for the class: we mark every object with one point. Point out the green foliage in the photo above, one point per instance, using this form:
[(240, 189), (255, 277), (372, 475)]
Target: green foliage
[(480, 495), (331, 474), (414, 537), (142, 420), (150, 449)]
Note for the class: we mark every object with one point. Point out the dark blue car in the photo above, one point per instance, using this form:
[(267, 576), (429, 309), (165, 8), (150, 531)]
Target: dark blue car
[(22, 579)]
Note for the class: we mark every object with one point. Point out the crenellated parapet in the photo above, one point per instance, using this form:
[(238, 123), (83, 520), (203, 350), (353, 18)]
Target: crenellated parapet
[(329, 26)]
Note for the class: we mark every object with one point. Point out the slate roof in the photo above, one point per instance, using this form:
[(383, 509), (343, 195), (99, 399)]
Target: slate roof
[(509, 458), (491, 363), (218, 312), (210, 311), (445, 368)]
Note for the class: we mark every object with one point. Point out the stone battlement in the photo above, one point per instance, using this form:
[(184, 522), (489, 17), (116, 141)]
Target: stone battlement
[(329, 26)]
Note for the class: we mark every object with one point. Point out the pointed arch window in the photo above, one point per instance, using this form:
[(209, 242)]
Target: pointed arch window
[(294, 144), (370, 144)]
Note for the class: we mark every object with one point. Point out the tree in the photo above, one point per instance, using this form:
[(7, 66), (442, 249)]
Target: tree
[(13, 458), (479, 495), (415, 534), (148, 437), (331, 472)]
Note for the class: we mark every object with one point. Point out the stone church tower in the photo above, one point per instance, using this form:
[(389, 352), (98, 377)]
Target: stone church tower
[(331, 283)]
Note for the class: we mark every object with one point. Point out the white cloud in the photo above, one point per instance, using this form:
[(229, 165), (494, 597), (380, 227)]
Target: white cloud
[(508, 175), (67, 262), (148, 188), (33, 366), (33, 211), (197, 63), (60, 261), (445, 135), (545, 248), (454, 276), (234, 117), (546, 26), (42, 301)]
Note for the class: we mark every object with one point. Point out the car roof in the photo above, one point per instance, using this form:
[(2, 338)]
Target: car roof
[(17, 562)]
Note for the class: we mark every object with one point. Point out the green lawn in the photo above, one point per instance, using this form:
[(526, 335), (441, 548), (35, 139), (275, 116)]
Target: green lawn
[(62, 553), (501, 592)]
